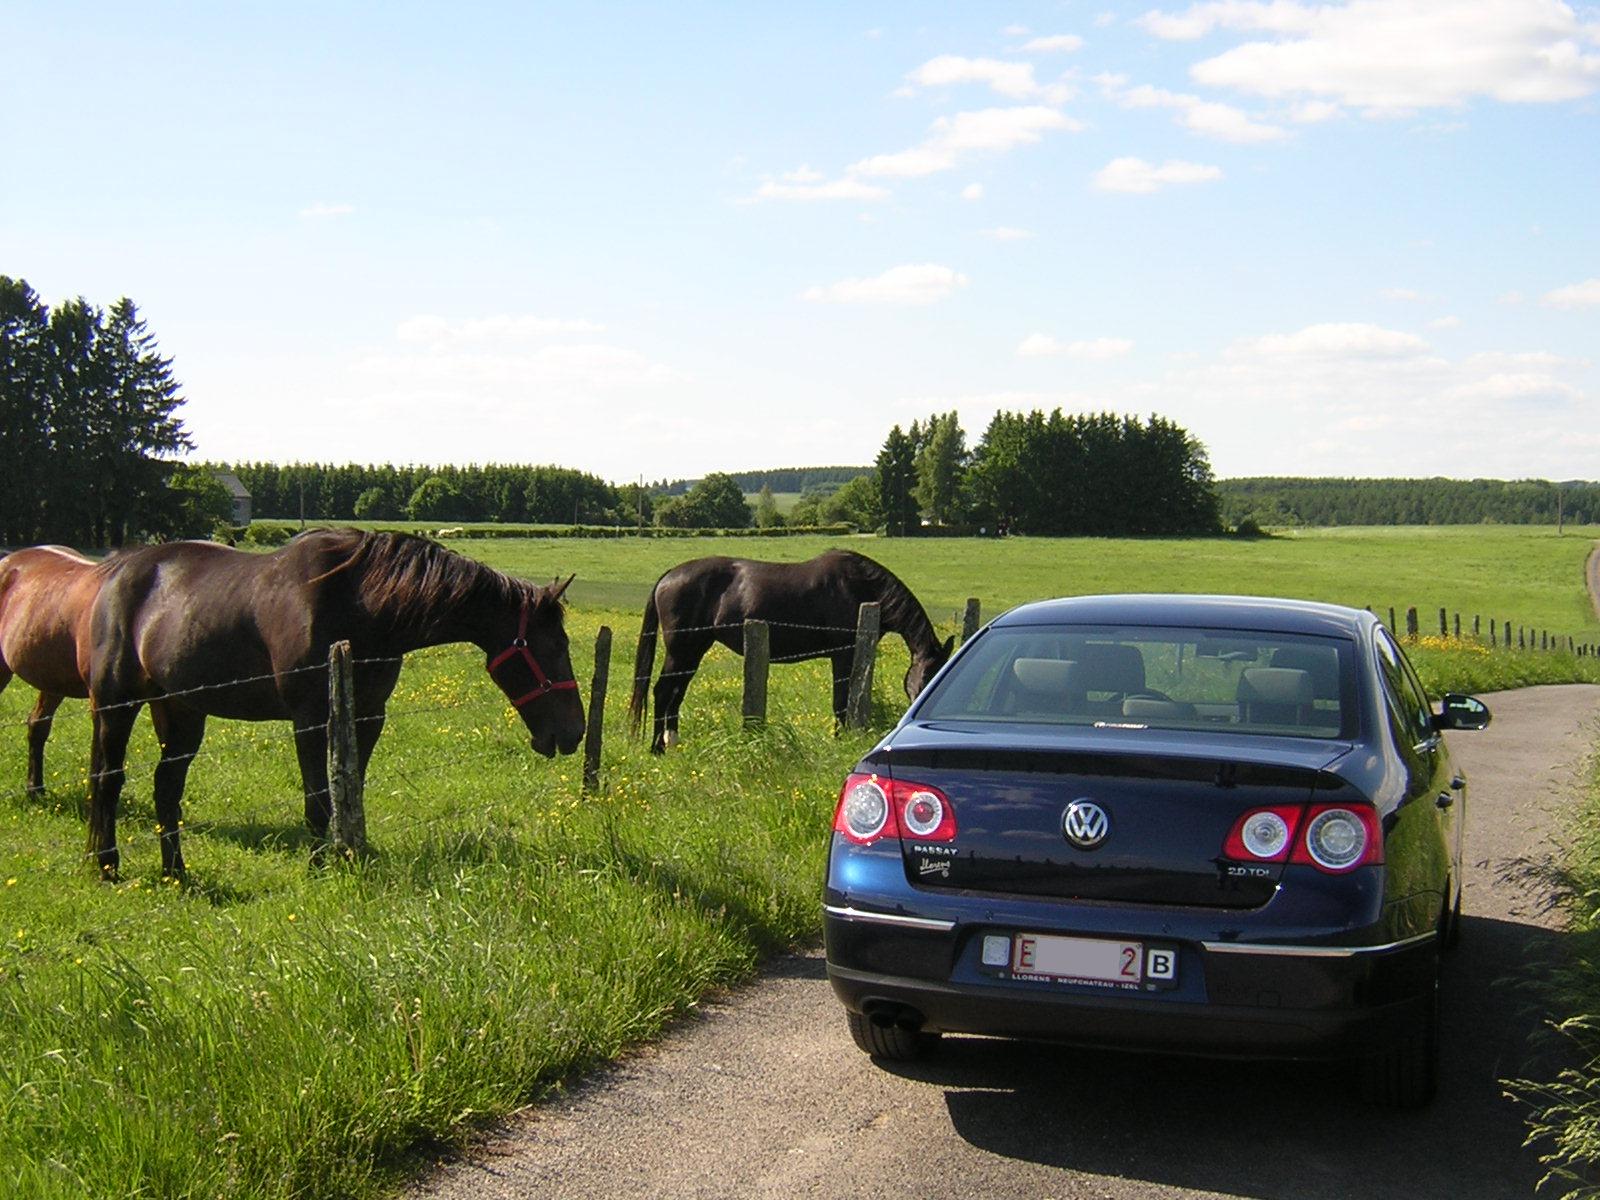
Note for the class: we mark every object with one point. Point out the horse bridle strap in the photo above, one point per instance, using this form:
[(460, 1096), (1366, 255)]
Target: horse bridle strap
[(519, 646)]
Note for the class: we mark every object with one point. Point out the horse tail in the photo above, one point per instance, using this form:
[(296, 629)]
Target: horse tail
[(644, 661)]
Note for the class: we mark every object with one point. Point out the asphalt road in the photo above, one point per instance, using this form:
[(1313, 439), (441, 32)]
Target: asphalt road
[(762, 1093)]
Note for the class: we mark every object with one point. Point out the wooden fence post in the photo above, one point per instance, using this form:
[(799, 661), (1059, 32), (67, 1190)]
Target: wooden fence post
[(970, 620), (858, 710), (1505, 628), (595, 731), (757, 659), (1477, 626), (1458, 627), (1411, 622), (347, 822), (1393, 628), (1444, 629)]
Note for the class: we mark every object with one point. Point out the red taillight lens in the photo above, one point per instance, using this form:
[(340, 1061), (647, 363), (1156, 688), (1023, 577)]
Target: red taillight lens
[(1263, 834), (1340, 837), (1331, 837), (873, 807)]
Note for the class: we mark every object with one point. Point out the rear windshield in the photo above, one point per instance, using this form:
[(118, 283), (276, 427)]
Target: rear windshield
[(1153, 678)]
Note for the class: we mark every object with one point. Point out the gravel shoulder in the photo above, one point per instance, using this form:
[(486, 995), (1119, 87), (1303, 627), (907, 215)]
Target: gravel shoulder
[(762, 1094)]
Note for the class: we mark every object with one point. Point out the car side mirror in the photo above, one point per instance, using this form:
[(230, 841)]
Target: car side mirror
[(1461, 712)]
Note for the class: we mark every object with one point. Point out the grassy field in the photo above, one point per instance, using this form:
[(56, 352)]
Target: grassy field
[(269, 1030)]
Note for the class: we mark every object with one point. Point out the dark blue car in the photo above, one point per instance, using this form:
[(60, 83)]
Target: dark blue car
[(1196, 824)]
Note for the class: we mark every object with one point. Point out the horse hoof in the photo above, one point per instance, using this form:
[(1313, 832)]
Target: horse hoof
[(670, 740)]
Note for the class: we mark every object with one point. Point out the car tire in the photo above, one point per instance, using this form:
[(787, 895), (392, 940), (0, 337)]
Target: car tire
[(1407, 1074), (891, 1042)]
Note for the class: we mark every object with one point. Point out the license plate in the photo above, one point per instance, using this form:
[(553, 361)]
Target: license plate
[(1102, 961)]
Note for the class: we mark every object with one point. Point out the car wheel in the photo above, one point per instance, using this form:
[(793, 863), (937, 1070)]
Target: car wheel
[(892, 1042), (1407, 1074)]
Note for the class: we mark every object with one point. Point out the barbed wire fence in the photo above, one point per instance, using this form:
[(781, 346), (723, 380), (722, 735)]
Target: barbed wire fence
[(347, 832)]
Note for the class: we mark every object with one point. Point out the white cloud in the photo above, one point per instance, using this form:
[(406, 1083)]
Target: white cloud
[(1574, 295), (836, 189), (1394, 56), (322, 211), (1136, 175), (1105, 20), (802, 174), (1038, 345), (440, 333), (1012, 79), (973, 191), (1402, 294), (1060, 43), (1205, 117), (1005, 233), (913, 283), (1512, 297), (1312, 112), (1015, 31), (1333, 340), (950, 139), (1450, 321)]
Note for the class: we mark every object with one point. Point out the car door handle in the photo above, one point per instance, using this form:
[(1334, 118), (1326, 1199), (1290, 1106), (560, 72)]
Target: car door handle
[(1445, 800)]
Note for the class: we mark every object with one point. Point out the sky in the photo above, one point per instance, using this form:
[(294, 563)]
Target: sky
[(651, 241)]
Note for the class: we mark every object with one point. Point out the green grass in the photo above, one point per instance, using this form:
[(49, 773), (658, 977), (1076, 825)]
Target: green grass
[(1564, 1102), (269, 1030)]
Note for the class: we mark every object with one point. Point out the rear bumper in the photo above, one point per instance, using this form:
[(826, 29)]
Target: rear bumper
[(1267, 1000)]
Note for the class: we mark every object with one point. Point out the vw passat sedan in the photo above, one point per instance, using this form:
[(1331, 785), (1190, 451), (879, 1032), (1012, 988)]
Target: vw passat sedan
[(1213, 825)]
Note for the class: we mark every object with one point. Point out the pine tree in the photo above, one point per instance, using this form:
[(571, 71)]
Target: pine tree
[(897, 475)]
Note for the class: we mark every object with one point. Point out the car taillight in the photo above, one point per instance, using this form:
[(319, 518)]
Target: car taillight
[(1340, 838), (1263, 834), (1331, 837), (873, 807)]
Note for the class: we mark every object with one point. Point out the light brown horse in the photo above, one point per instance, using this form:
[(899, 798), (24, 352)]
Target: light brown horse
[(46, 596), (196, 630)]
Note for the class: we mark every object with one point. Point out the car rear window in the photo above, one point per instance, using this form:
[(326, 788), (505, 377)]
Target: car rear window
[(1155, 678)]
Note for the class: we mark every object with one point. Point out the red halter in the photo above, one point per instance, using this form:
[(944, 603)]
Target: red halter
[(519, 645)]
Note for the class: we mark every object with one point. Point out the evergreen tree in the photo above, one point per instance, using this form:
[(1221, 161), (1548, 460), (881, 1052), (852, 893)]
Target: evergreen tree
[(896, 477), (24, 415), (941, 465)]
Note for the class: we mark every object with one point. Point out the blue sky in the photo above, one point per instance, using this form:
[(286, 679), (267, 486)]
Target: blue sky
[(1338, 239)]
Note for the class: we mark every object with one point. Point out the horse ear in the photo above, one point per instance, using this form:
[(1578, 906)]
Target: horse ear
[(949, 646), (558, 588)]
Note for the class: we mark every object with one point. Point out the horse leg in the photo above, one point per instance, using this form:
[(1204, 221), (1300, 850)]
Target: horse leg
[(311, 748), (112, 728), (843, 660), (44, 712), (179, 731), (682, 661)]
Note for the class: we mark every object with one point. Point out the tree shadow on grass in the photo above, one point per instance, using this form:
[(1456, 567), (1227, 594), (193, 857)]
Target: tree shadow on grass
[(1277, 1131)]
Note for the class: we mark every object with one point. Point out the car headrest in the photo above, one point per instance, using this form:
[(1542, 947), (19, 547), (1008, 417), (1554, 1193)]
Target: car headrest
[(1275, 685), (1110, 667), (1320, 662), (1046, 676)]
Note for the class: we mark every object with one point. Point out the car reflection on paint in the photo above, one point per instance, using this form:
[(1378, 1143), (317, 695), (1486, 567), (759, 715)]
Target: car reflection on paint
[(1197, 824)]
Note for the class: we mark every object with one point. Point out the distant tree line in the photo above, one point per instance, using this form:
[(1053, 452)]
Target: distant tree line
[(1277, 501), (1037, 473), (88, 428), (777, 479), (384, 492)]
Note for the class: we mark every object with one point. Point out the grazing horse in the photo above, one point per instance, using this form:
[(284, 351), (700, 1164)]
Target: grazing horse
[(46, 594), (811, 608), (195, 629)]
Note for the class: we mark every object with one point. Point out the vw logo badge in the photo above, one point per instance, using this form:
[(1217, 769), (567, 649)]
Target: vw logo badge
[(1085, 823)]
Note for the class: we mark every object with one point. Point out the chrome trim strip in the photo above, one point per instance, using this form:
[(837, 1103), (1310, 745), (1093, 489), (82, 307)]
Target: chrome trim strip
[(856, 914), (1312, 951)]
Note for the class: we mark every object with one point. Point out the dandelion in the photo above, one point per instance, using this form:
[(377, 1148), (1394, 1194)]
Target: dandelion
[(12, 882)]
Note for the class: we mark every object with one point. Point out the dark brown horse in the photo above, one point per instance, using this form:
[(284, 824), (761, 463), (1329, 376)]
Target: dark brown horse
[(811, 609), (195, 629), (46, 594)]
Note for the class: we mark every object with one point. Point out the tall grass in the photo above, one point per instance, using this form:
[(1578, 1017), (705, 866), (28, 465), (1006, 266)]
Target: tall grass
[(269, 1030)]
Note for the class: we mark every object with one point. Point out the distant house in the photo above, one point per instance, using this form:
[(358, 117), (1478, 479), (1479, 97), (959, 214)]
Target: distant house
[(240, 495)]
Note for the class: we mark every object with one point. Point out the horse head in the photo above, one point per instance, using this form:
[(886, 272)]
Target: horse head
[(925, 666), (534, 669)]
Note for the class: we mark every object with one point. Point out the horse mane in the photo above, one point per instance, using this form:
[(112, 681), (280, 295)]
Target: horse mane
[(413, 584), (899, 609)]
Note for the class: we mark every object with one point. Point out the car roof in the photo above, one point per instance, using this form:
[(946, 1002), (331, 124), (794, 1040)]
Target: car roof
[(1267, 614)]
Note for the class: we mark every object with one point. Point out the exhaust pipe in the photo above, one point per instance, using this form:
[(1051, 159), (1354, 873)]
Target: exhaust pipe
[(888, 1014)]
